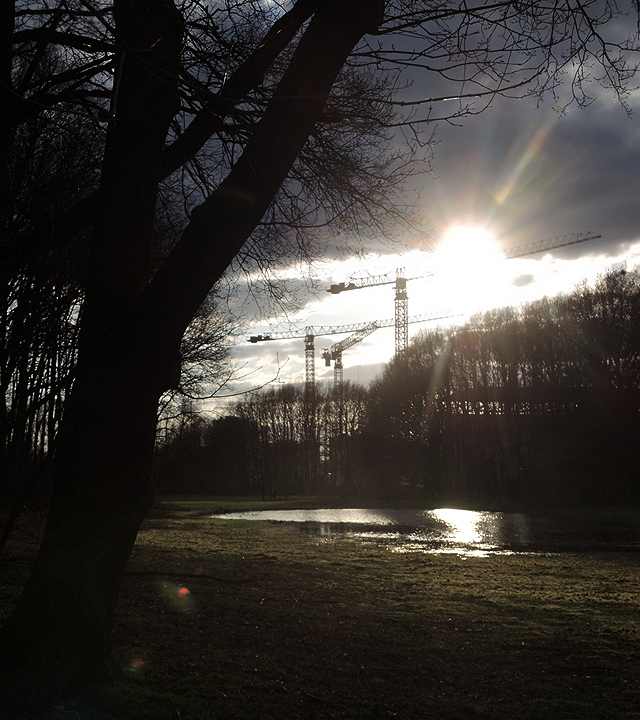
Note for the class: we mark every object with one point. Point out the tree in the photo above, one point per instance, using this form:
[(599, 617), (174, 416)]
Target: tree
[(281, 447), (52, 162), (129, 351), (283, 127)]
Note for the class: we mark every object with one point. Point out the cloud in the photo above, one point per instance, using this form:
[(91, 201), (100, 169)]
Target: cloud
[(530, 174), (523, 280), (522, 171)]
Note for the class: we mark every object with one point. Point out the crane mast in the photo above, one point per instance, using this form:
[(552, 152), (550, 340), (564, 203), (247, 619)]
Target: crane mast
[(309, 361), (359, 330), (401, 301), (401, 305)]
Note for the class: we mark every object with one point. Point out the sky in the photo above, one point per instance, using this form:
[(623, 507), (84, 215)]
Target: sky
[(519, 173)]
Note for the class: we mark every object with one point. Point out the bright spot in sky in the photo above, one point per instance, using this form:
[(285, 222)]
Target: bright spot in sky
[(465, 275), (466, 246), (468, 266)]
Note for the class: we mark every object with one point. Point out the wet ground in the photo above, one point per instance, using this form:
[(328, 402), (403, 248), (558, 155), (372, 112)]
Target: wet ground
[(464, 532)]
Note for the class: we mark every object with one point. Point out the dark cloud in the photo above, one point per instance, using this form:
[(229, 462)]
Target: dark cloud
[(532, 174)]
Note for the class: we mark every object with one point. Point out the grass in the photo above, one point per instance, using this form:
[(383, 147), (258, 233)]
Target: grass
[(226, 619)]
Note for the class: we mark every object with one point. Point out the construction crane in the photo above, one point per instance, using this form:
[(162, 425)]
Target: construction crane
[(401, 298), (335, 352), (400, 281), (310, 333)]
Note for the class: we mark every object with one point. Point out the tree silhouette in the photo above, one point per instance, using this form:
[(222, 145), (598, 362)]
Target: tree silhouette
[(539, 403)]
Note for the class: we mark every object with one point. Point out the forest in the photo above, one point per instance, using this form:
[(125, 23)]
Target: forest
[(538, 404)]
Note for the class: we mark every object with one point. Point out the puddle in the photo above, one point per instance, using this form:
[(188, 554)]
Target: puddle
[(465, 532)]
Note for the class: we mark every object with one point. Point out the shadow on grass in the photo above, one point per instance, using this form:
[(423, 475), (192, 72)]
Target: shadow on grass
[(249, 620)]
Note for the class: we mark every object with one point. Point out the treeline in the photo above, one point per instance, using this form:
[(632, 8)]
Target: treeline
[(53, 165), (273, 443), (540, 403), (536, 403)]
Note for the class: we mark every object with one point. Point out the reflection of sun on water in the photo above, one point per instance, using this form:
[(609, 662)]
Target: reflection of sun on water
[(463, 525)]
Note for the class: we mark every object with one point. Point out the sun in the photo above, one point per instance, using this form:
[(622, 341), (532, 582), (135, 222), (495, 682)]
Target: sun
[(468, 267), (467, 246)]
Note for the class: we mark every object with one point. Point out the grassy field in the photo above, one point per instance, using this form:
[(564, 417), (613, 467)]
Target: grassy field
[(225, 619)]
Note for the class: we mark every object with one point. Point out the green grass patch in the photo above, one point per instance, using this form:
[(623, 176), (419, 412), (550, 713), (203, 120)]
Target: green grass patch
[(231, 619)]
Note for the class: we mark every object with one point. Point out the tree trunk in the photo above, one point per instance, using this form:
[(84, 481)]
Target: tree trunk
[(131, 333), (59, 633)]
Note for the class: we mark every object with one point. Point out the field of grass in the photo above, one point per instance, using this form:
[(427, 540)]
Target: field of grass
[(226, 620)]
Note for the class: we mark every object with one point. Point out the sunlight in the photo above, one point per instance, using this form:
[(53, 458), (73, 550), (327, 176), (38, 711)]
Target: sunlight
[(469, 268), (462, 525), (467, 249)]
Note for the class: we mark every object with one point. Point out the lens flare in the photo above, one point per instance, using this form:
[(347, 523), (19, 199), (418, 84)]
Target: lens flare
[(135, 666), (177, 596)]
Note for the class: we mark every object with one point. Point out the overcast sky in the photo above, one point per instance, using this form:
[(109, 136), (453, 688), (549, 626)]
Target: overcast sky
[(523, 174)]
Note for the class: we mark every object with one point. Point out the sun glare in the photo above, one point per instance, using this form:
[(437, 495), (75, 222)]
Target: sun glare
[(467, 246), (468, 265)]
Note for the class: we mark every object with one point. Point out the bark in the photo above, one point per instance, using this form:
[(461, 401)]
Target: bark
[(130, 339)]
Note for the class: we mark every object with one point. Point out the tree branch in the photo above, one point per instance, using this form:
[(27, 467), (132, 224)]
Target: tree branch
[(220, 226), (247, 77)]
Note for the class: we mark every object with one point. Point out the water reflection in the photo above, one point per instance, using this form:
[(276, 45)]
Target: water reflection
[(463, 526), (448, 530)]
